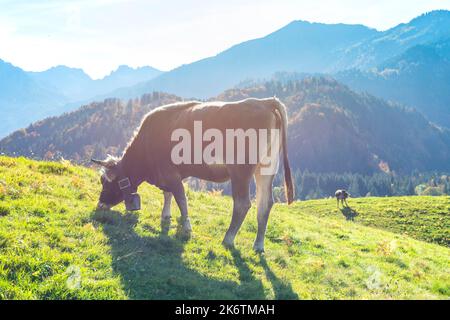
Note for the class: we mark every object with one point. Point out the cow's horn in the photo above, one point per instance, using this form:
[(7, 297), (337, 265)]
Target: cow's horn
[(99, 162)]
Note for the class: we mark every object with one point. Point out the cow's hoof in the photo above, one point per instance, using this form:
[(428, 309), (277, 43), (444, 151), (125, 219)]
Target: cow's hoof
[(165, 225), (184, 235), (228, 244), (185, 225), (187, 228), (186, 232), (258, 248), (165, 222)]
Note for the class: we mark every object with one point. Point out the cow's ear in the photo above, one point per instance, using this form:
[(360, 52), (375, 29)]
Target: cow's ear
[(99, 162)]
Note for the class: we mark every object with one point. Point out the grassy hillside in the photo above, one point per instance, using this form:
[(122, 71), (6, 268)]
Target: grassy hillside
[(53, 245), (424, 218)]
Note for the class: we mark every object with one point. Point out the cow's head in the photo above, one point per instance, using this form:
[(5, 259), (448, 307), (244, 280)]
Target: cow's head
[(116, 186), (111, 194)]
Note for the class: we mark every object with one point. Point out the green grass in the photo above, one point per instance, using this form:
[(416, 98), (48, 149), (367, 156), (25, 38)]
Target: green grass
[(421, 217), (53, 245)]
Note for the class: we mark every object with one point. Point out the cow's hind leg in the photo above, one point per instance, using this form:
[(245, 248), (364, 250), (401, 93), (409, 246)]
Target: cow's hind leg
[(264, 202), (241, 204)]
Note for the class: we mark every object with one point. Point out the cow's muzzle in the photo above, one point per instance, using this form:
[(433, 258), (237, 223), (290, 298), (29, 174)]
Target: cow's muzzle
[(103, 206)]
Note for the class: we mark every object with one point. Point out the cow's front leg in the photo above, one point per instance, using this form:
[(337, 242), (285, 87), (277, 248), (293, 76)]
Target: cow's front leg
[(180, 197), (165, 214)]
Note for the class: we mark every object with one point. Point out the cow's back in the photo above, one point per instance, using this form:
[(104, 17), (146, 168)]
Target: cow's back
[(159, 125), (249, 113)]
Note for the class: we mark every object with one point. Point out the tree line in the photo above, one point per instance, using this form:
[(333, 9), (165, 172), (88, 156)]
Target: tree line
[(313, 185)]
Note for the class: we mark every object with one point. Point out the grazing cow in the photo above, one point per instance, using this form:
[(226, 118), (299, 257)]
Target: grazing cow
[(341, 195), (149, 158)]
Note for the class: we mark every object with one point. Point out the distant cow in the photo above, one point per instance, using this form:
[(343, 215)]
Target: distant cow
[(341, 195), (148, 159)]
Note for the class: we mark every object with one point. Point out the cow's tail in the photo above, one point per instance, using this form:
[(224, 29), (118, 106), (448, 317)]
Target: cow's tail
[(288, 183)]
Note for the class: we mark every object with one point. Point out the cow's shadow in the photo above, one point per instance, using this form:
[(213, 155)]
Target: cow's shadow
[(152, 267), (282, 291), (349, 213)]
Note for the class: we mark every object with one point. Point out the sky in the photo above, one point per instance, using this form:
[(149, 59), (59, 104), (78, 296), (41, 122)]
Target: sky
[(100, 35)]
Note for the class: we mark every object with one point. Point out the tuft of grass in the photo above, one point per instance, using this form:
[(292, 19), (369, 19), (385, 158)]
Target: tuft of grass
[(4, 210), (54, 168), (54, 245)]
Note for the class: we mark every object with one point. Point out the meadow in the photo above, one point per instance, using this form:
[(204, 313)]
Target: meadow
[(55, 245)]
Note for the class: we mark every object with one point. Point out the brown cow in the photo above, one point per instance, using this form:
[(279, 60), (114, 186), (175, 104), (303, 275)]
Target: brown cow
[(149, 158)]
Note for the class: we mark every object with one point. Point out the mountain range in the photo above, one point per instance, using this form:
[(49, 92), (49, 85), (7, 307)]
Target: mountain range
[(350, 52), (300, 46), (419, 78), (373, 51), (416, 53), (332, 129), (29, 96)]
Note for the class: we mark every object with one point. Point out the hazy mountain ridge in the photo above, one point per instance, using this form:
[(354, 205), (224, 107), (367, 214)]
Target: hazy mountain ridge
[(429, 27), (15, 85), (298, 47), (406, 64), (419, 78), (301, 45), (29, 96), (22, 99)]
